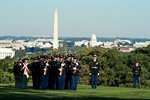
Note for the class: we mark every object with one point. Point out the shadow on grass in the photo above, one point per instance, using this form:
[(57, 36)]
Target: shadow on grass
[(10, 93)]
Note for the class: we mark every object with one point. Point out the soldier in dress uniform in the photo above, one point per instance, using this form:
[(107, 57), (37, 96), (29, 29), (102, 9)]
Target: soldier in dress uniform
[(94, 67), (18, 73), (75, 66), (26, 72), (68, 72), (52, 74), (44, 73), (136, 74), (56, 62), (35, 70), (61, 73)]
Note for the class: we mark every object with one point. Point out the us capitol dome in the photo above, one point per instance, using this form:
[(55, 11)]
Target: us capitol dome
[(93, 41)]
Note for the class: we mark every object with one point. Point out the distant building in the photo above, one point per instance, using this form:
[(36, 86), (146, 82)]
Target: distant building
[(16, 45), (5, 43), (44, 40), (107, 44), (47, 45), (81, 43), (61, 43), (93, 41), (126, 49), (122, 41), (41, 43), (5, 52), (141, 44)]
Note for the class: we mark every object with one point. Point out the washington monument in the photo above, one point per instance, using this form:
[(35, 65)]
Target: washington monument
[(55, 35)]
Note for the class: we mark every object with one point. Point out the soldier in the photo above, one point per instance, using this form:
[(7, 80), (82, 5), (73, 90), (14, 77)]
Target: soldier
[(51, 80), (35, 69), (26, 71), (45, 74), (61, 73), (136, 74), (94, 67), (18, 73), (68, 72), (75, 73), (56, 63)]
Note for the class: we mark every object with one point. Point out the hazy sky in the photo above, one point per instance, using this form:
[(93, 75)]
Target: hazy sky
[(78, 18)]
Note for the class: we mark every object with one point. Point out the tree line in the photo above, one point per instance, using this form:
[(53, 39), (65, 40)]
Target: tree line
[(115, 66)]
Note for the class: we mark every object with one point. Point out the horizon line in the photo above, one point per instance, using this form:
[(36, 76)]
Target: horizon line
[(74, 37)]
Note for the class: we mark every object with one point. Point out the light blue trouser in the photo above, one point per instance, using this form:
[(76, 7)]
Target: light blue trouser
[(44, 82), (94, 80), (24, 82), (138, 80), (74, 79), (61, 82), (18, 81)]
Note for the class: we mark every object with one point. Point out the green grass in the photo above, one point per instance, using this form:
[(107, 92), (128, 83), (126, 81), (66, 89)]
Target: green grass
[(84, 92)]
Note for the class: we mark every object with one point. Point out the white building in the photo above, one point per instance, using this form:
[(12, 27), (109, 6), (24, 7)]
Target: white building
[(80, 43), (5, 52), (126, 49), (44, 40), (46, 45), (141, 44), (16, 45), (30, 44), (93, 41), (107, 44), (122, 41), (5, 43)]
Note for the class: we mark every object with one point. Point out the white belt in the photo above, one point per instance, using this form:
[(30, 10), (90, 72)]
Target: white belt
[(95, 67)]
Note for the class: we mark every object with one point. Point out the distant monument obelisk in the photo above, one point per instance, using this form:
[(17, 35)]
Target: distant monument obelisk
[(55, 35)]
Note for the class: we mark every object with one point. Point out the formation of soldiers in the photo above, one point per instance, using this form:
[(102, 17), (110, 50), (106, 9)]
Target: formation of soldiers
[(57, 72)]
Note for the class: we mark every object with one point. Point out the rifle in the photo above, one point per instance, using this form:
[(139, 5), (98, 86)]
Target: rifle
[(75, 68), (45, 69), (61, 68)]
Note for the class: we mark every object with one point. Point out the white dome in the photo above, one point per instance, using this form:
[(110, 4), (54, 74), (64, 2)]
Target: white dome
[(93, 38), (93, 41)]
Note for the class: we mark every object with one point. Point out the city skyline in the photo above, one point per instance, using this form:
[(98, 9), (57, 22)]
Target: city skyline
[(80, 18)]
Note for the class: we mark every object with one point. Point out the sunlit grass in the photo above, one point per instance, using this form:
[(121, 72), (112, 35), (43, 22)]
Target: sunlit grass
[(84, 92)]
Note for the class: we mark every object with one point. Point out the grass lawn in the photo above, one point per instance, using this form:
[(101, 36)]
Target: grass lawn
[(84, 92)]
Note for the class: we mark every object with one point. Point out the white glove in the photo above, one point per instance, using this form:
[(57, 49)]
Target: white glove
[(47, 64), (89, 73), (63, 64), (60, 69), (74, 68), (98, 74), (77, 64)]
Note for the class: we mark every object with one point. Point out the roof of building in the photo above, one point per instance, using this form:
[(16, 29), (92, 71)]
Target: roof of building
[(6, 49)]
